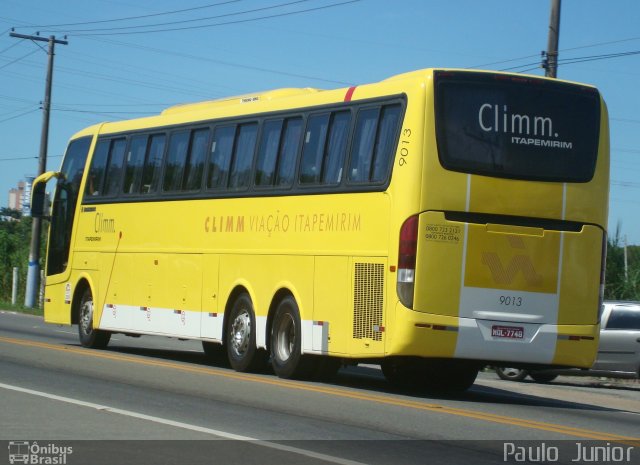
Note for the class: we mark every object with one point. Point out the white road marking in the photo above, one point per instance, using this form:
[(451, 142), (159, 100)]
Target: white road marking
[(187, 426)]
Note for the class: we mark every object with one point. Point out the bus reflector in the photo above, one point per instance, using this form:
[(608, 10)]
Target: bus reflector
[(407, 260)]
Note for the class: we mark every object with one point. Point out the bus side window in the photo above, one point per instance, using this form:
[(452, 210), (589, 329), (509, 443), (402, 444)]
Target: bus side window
[(325, 148), (221, 148), (268, 153), (176, 158), (336, 147), (153, 164), (363, 145), (289, 152), (197, 156), (376, 136), (134, 164), (245, 147), (313, 149), (385, 143), (114, 171), (97, 168)]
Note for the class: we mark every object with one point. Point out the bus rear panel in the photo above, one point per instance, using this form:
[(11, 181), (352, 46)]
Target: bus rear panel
[(509, 241)]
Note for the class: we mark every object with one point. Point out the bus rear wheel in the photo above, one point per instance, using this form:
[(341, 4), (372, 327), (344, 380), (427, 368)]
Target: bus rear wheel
[(542, 377), (240, 341), (90, 337), (450, 376), (434, 375), (285, 343), (404, 372)]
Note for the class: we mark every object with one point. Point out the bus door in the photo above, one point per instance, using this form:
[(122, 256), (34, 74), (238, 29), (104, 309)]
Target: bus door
[(63, 213)]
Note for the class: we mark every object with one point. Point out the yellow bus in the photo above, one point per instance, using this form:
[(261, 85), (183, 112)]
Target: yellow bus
[(432, 223)]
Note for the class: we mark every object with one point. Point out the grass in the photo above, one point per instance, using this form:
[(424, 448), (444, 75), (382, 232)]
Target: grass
[(4, 305)]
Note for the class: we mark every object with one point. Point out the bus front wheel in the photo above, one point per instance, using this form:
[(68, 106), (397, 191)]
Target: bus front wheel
[(242, 352), (90, 337)]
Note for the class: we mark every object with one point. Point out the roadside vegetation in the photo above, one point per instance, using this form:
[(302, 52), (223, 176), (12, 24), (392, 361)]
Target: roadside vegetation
[(15, 236), (618, 286)]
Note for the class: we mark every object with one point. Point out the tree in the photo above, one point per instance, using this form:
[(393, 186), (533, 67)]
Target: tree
[(617, 286), (15, 237)]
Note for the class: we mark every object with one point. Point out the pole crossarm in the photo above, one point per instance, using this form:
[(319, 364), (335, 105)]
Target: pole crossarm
[(38, 38)]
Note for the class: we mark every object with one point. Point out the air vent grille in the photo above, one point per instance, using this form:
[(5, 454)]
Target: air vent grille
[(368, 301)]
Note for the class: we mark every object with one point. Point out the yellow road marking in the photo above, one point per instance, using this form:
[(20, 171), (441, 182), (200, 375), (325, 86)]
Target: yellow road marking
[(338, 392)]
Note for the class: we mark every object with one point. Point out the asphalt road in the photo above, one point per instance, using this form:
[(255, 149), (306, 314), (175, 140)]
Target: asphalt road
[(160, 400)]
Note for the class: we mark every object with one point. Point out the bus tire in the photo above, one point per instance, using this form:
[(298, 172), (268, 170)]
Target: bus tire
[(404, 372), (215, 352), (285, 342), (450, 376), (542, 377), (327, 368), (240, 341), (90, 337)]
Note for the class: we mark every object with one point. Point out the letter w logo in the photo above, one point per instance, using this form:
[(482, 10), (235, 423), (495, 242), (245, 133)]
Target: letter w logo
[(518, 264)]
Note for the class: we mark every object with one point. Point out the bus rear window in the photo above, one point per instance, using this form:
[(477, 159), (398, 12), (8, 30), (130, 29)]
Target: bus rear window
[(520, 128)]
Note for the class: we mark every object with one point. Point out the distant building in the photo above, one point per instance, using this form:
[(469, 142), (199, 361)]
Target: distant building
[(16, 196), (20, 197)]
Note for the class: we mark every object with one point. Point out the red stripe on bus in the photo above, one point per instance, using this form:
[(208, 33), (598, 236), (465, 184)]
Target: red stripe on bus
[(349, 94)]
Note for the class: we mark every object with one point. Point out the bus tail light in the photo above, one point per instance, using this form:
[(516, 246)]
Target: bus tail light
[(407, 260)]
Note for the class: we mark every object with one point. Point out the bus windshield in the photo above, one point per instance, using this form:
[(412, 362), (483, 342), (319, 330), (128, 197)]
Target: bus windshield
[(514, 127)]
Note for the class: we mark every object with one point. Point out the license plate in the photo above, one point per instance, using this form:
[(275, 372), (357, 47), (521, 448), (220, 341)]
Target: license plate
[(508, 332)]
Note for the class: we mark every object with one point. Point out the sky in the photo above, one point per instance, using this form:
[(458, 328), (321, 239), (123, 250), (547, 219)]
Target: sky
[(113, 70)]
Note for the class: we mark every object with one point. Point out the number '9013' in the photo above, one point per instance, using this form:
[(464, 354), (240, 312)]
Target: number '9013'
[(510, 301)]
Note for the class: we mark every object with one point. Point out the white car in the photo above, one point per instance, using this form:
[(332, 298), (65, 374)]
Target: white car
[(618, 351)]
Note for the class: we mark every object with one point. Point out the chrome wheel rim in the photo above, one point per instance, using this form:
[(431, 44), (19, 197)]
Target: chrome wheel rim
[(511, 372), (86, 317), (285, 337), (241, 333)]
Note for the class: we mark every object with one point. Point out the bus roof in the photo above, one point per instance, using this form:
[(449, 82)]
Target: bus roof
[(234, 106)]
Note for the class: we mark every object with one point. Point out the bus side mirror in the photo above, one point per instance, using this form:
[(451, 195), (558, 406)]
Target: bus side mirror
[(38, 198), (39, 195)]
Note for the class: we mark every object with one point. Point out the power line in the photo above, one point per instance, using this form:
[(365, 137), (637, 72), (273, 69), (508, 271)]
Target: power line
[(15, 44), (598, 44), (220, 62), (571, 61), (152, 73), (19, 115), (18, 59), (120, 105), (18, 110), (625, 120), (149, 84), (34, 157), (239, 21), (129, 18), (16, 99), (635, 185), (110, 113), (122, 28)]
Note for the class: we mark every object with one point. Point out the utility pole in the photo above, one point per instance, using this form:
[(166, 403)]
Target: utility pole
[(550, 63), (33, 271), (626, 264)]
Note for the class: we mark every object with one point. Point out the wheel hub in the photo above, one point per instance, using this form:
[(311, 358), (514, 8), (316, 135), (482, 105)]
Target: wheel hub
[(86, 317), (241, 333)]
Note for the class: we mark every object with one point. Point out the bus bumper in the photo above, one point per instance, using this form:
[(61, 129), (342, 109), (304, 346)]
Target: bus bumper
[(429, 335)]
